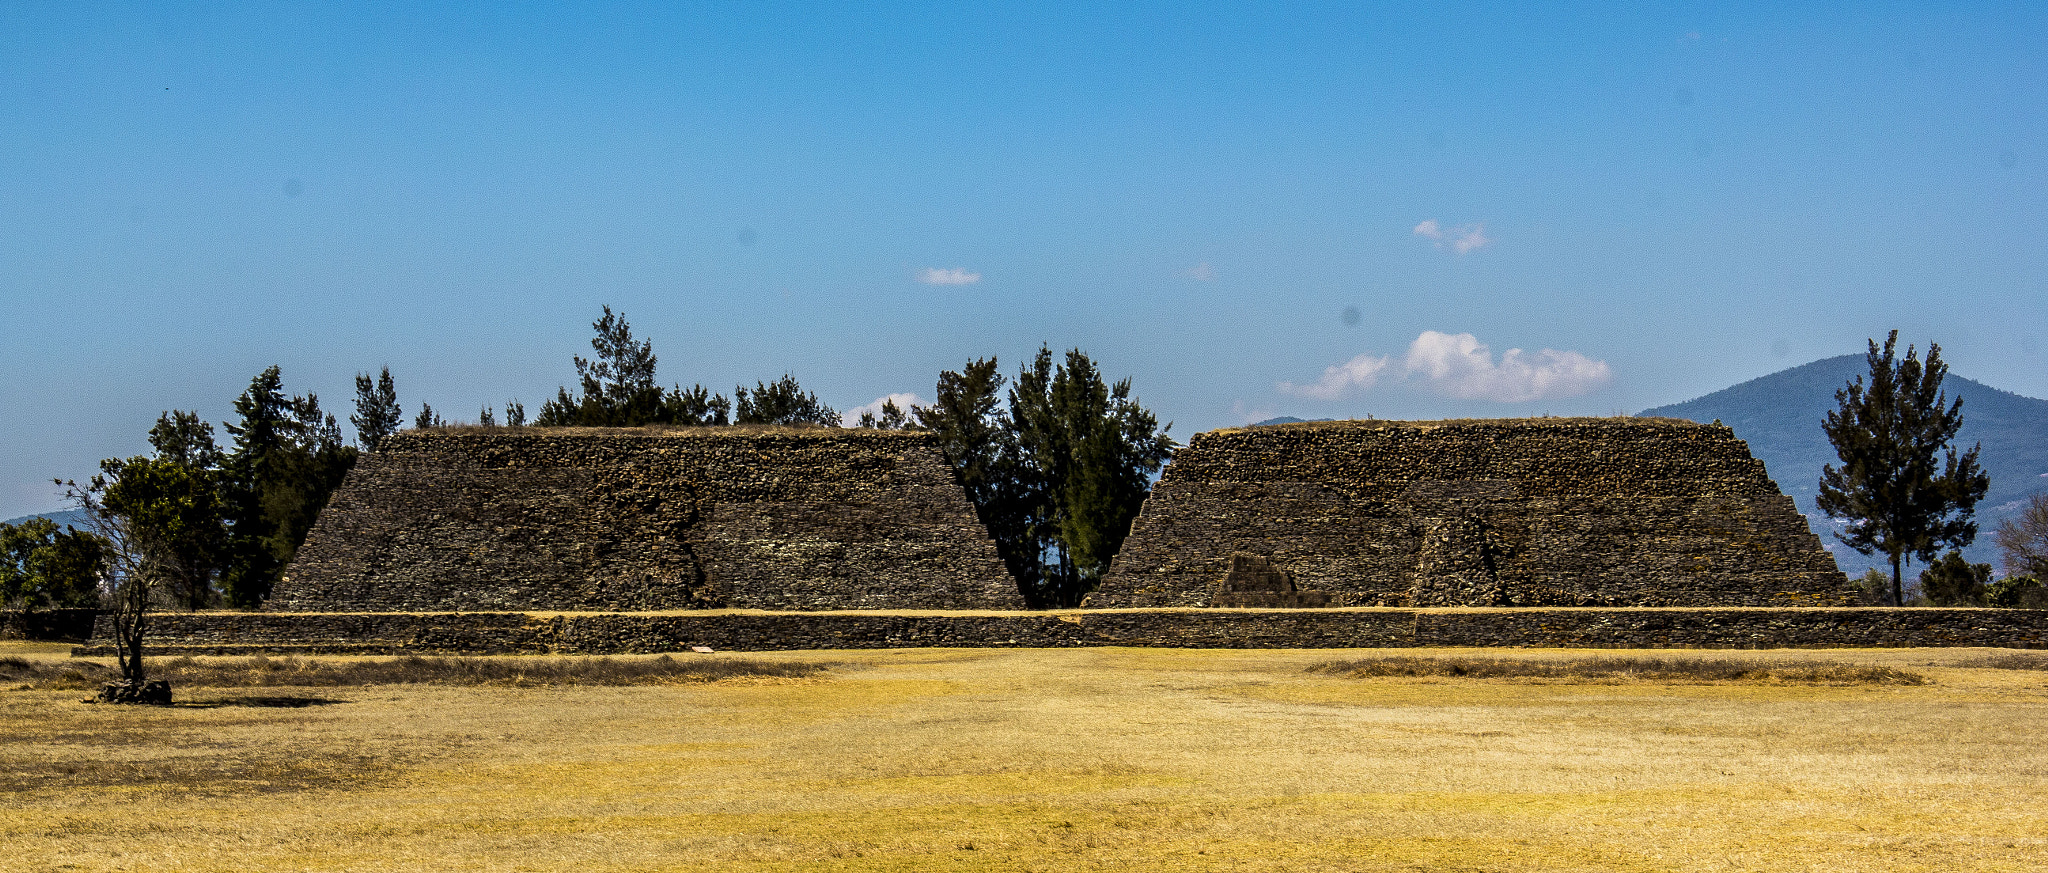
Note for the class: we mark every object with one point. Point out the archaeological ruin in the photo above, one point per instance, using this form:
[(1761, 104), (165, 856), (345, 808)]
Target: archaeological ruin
[(648, 519), (1621, 532), (1529, 512)]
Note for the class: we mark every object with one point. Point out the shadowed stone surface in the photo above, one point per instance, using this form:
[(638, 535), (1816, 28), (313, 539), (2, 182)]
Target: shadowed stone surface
[(647, 519), (1529, 512)]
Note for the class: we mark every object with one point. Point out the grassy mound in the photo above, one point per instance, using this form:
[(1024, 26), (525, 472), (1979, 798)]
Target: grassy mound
[(261, 672), (1667, 670)]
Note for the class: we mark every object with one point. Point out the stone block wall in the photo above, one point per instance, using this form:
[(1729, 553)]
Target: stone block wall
[(1529, 512), (648, 519), (478, 633)]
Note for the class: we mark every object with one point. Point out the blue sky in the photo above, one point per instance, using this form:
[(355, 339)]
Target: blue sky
[(1322, 211)]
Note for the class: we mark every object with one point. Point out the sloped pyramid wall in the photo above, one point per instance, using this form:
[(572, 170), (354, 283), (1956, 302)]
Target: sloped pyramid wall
[(645, 519), (1526, 512)]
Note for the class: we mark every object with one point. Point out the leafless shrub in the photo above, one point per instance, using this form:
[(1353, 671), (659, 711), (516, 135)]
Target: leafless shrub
[(1670, 670), (263, 672)]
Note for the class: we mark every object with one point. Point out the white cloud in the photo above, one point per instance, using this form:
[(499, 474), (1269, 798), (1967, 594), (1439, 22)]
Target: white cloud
[(1250, 414), (851, 417), (1201, 272), (1462, 239), (1359, 373), (1459, 365), (954, 276), (1470, 238)]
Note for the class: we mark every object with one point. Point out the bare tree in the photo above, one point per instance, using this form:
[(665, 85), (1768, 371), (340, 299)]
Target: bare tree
[(2023, 541), (142, 512)]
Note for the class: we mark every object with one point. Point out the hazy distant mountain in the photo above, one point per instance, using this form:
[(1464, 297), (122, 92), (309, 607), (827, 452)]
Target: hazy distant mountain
[(73, 517), (1779, 415), (1285, 419)]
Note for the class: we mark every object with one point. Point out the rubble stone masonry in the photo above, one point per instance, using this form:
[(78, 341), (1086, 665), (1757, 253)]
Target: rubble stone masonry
[(1525, 512), (647, 519)]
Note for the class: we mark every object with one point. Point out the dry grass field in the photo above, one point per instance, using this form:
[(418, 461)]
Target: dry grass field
[(1058, 760)]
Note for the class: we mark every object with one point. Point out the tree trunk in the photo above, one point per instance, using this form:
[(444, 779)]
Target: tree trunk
[(1898, 585)]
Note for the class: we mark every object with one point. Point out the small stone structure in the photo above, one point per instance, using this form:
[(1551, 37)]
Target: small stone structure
[(647, 520), (1255, 582), (1525, 512)]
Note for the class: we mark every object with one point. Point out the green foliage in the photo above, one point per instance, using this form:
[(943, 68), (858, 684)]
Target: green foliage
[(377, 412), (2023, 539), (980, 442), (515, 414), (2017, 592), (618, 388), (892, 417), (287, 461), (175, 499), (44, 566), (781, 402), (1889, 435), (1953, 581), (427, 417), (1060, 476), (1873, 588)]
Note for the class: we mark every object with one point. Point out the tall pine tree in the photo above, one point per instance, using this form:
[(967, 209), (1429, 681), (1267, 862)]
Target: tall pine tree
[(378, 414), (1905, 491), (1059, 475), (287, 460)]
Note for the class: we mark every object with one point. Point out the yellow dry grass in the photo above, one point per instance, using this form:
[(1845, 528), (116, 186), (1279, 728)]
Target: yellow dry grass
[(1049, 760)]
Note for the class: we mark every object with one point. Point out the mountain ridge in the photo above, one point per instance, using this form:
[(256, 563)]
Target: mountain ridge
[(1779, 414)]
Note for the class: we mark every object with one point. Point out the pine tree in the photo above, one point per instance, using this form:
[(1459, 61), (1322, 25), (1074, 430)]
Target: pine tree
[(1890, 435), (781, 402), (618, 387), (288, 459), (1059, 476), (377, 411)]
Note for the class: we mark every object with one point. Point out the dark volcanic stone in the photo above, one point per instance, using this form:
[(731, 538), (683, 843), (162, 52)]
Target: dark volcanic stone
[(647, 520), (1529, 512)]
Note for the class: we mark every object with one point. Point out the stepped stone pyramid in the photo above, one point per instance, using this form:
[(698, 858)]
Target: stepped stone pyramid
[(1505, 512), (647, 519)]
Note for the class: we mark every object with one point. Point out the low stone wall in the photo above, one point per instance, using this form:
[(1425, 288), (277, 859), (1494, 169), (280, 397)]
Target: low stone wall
[(47, 625), (629, 633)]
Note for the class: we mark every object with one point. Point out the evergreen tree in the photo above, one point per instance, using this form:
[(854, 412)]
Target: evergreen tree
[(377, 412), (1059, 476), (1890, 436), (782, 402), (427, 417), (1087, 454), (288, 459), (1954, 581), (515, 413), (979, 441), (892, 417), (618, 387)]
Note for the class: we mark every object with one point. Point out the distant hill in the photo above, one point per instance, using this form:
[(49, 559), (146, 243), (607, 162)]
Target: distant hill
[(73, 517), (1285, 419), (1779, 415)]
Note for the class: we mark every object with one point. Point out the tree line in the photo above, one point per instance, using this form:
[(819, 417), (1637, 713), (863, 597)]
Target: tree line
[(1057, 460)]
